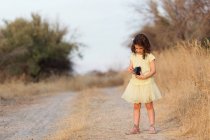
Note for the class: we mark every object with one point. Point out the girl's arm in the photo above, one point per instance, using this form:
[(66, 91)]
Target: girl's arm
[(130, 68), (151, 73)]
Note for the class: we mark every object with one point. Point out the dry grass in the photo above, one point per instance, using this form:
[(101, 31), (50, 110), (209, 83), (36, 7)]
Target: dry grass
[(18, 89), (183, 75)]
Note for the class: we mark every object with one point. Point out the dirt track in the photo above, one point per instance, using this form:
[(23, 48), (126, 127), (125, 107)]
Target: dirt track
[(34, 120), (98, 115)]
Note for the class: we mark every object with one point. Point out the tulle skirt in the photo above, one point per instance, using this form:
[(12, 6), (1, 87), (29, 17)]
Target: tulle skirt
[(141, 91)]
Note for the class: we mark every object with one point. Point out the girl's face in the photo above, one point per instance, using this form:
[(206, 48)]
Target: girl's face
[(139, 49)]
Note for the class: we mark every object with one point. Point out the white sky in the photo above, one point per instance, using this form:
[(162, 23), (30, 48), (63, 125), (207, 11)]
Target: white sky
[(102, 25)]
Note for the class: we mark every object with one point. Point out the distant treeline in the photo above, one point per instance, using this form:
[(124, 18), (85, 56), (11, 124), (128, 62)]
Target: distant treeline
[(34, 48), (179, 20)]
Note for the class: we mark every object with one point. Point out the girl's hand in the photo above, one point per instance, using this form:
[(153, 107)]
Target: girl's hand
[(130, 70), (141, 77)]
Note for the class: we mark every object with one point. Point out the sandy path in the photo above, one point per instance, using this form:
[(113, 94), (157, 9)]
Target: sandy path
[(98, 114), (112, 118), (35, 120)]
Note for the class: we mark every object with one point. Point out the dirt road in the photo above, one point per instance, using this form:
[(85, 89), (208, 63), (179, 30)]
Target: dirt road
[(98, 114), (35, 120), (112, 118)]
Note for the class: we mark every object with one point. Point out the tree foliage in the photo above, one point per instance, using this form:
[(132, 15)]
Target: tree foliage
[(35, 47)]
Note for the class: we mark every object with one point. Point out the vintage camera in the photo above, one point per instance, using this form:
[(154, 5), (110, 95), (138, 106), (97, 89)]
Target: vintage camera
[(137, 70)]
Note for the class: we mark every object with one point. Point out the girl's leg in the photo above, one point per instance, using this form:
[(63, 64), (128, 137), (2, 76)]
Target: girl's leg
[(136, 113), (151, 115), (136, 117)]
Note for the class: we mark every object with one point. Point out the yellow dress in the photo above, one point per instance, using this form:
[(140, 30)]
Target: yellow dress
[(141, 91)]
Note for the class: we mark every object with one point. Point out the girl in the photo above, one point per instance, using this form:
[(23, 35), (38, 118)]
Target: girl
[(142, 87)]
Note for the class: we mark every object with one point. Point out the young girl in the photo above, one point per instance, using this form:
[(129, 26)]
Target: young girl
[(142, 88)]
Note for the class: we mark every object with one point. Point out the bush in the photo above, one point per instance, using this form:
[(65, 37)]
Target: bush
[(34, 48)]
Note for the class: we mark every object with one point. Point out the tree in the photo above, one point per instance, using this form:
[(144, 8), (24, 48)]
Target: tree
[(180, 20), (34, 48)]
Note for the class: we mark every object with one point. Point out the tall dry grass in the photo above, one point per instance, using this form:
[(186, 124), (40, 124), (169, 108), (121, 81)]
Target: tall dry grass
[(183, 75), (16, 89)]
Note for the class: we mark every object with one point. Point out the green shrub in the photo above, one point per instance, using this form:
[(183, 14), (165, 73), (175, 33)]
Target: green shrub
[(35, 47)]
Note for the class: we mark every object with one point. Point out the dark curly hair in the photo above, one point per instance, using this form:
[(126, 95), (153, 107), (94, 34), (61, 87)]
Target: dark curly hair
[(143, 41)]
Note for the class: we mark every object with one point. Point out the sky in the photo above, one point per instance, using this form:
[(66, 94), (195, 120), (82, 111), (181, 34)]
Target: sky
[(102, 25)]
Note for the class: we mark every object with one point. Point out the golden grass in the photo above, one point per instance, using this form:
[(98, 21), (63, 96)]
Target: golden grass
[(19, 89), (183, 75)]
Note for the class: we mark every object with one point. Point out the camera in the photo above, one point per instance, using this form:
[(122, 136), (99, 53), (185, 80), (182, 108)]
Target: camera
[(137, 70)]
